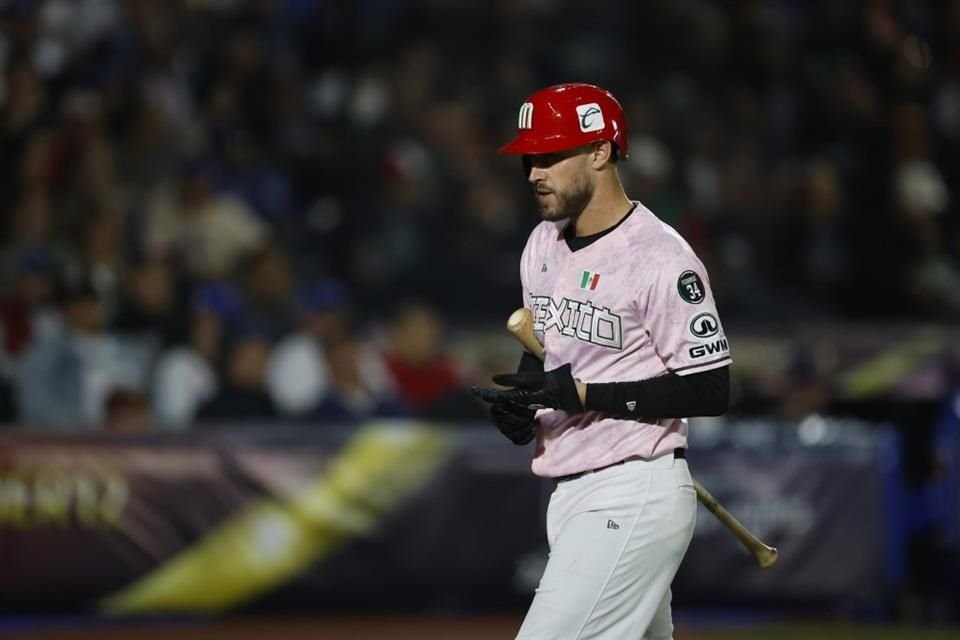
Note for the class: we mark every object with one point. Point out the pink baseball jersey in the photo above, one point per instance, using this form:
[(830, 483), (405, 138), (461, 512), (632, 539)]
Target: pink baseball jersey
[(634, 304)]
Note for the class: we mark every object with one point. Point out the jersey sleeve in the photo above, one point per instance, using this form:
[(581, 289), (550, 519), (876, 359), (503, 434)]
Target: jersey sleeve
[(525, 258), (682, 320)]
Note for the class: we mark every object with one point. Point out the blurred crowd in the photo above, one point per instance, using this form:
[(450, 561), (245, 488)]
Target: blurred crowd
[(240, 209)]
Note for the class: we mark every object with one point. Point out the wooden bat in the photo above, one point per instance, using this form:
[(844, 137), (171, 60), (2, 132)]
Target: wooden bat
[(520, 324)]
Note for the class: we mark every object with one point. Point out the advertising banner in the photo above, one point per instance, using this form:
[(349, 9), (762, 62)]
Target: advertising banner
[(397, 516)]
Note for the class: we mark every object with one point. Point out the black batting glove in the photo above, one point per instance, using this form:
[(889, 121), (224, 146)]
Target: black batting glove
[(513, 421), (536, 390)]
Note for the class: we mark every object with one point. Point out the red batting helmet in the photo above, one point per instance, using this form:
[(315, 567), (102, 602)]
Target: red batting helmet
[(566, 116)]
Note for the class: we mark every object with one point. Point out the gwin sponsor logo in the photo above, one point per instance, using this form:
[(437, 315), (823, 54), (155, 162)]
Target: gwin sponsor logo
[(717, 346), (579, 320), (704, 325)]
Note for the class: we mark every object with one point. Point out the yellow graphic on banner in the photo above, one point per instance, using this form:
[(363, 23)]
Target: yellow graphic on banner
[(272, 540), (881, 373)]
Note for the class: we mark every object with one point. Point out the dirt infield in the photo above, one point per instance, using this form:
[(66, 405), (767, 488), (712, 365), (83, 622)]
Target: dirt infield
[(346, 628), (426, 628)]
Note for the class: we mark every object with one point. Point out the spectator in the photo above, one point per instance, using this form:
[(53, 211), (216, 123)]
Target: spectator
[(25, 111), (818, 232), (65, 376), (350, 397), (267, 284), (127, 412), (204, 230), (185, 377), (807, 385), (27, 309), (242, 395), (149, 307), (299, 373), (249, 175), (416, 358)]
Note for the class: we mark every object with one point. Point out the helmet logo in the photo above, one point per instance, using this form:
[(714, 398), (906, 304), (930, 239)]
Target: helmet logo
[(591, 117), (525, 121)]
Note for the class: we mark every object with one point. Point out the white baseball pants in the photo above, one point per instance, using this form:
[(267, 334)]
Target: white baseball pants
[(617, 537)]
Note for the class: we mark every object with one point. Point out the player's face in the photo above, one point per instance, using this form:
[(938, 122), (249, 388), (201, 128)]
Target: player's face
[(562, 184)]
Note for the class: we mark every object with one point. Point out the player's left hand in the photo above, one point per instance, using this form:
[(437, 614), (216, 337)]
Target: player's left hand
[(555, 389)]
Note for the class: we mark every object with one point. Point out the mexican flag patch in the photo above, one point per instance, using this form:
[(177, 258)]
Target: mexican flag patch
[(589, 280)]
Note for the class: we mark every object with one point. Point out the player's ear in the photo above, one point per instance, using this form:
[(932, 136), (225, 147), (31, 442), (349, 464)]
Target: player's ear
[(602, 154)]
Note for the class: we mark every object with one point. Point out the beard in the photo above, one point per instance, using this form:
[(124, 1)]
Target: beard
[(569, 203)]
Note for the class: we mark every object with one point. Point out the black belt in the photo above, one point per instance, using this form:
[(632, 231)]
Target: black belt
[(680, 453)]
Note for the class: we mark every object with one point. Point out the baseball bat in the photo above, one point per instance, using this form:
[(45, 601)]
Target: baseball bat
[(520, 325)]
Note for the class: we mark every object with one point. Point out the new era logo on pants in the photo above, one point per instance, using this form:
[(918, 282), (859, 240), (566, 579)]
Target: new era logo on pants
[(612, 525)]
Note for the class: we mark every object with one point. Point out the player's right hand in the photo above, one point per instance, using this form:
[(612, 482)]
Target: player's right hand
[(513, 421), (536, 390)]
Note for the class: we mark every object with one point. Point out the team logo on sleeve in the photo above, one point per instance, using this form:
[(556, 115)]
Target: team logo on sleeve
[(691, 287), (704, 325)]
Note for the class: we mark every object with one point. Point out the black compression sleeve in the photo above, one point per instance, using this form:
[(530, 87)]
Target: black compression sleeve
[(668, 396)]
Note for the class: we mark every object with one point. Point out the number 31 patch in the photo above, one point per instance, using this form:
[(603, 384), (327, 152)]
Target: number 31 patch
[(690, 287)]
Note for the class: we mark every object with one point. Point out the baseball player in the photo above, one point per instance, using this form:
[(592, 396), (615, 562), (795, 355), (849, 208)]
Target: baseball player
[(633, 345)]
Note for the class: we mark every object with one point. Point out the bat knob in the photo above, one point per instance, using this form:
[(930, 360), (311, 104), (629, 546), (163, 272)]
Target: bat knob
[(518, 319), (767, 557)]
